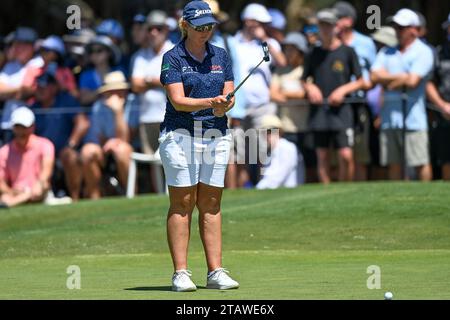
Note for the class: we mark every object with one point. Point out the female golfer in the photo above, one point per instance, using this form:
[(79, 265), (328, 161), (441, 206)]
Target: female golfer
[(197, 77)]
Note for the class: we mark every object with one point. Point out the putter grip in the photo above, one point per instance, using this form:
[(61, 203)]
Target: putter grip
[(230, 96)]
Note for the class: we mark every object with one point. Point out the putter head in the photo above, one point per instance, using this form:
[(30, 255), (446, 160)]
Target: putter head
[(266, 51)]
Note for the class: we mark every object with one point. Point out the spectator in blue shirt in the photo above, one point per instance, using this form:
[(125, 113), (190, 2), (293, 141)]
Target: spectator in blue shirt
[(404, 68), (104, 57), (59, 119), (114, 122), (197, 77)]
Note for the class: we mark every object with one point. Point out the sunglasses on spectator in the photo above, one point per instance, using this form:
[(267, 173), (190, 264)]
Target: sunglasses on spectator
[(205, 28), (97, 50), (158, 28)]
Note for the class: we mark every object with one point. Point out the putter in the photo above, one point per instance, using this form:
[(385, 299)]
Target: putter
[(266, 58)]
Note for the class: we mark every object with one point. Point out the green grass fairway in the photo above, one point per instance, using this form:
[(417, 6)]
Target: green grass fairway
[(313, 242)]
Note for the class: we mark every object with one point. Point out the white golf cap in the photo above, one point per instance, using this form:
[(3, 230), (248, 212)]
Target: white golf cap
[(258, 12), (406, 18), (22, 116)]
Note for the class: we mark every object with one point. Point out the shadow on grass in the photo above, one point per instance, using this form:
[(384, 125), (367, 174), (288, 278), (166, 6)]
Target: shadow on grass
[(156, 288)]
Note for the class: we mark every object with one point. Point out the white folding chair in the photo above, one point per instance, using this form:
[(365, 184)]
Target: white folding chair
[(156, 164)]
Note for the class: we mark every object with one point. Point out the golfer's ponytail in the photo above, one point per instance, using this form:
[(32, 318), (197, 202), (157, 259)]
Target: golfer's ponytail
[(183, 29)]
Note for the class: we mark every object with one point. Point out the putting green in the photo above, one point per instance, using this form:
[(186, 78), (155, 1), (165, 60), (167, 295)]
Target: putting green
[(313, 242)]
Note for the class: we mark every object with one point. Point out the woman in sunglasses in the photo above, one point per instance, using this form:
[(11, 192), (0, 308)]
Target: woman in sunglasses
[(197, 76), (104, 57)]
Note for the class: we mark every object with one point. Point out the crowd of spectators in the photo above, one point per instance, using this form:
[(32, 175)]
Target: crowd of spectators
[(347, 106)]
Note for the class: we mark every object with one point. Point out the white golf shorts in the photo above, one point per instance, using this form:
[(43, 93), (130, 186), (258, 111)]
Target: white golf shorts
[(188, 160)]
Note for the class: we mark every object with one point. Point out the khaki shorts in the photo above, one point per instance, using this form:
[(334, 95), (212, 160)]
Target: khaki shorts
[(149, 134), (417, 147)]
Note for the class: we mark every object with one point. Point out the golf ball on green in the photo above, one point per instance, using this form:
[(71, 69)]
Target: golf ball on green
[(388, 295)]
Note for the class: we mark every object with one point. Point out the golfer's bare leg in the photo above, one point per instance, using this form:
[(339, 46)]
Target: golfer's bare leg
[(346, 164), (182, 203), (210, 224), (323, 165)]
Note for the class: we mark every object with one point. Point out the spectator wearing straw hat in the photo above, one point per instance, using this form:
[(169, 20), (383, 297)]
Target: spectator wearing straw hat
[(404, 68), (282, 166), (113, 124), (59, 119), (26, 163)]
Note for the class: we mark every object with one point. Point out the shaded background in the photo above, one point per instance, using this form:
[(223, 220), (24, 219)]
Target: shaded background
[(49, 16)]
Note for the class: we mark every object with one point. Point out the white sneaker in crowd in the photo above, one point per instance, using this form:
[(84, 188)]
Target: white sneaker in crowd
[(219, 279), (181, 281)]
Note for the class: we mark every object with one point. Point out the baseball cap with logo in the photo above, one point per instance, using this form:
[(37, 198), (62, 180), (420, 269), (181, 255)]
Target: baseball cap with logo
[(198, 13), (258, 12), (406, 18), (22, 116)]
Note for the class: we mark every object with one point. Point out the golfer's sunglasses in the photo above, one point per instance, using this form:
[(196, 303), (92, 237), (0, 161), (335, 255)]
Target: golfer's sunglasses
[(205, 28)]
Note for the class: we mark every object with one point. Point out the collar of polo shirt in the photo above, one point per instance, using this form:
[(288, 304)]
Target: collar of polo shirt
[(182, 52)]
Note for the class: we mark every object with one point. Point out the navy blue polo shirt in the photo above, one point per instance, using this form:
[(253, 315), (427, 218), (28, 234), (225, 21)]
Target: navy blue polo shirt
[(200, 80)]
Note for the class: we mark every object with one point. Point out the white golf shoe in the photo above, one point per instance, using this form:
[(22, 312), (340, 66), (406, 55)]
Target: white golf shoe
[(181, 281), (219, 279)]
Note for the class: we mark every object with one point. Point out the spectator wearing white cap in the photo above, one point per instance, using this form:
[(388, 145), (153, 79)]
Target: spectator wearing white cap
[(52, 53), (404, 68), (286, 90), (26, 163), (282, 168), (253, 100)]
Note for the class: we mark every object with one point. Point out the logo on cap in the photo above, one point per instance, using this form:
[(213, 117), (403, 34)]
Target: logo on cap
[(199, 12)]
